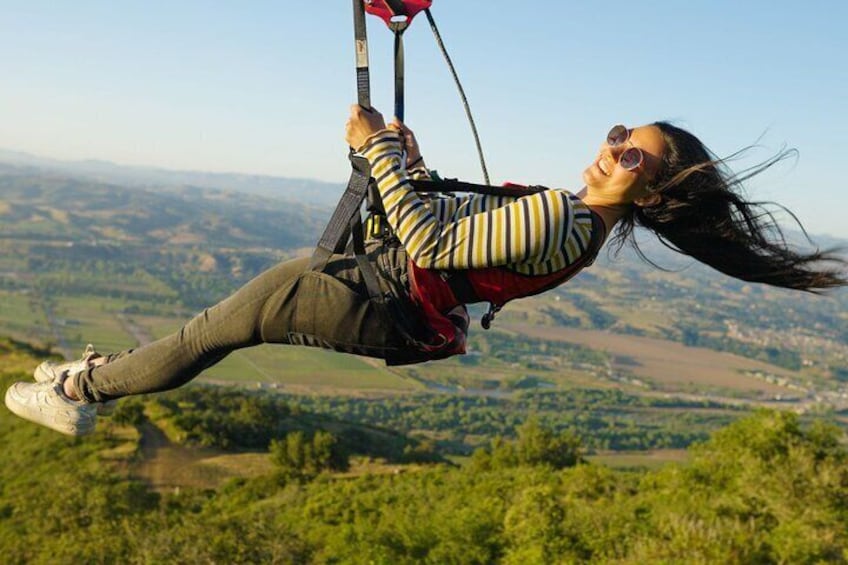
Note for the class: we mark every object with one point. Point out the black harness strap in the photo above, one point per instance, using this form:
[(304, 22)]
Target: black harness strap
[(336, 234), (448, 187), (454, 185), (399, 104), (365, 267), (346, 220), (363, 80), (398, 25)]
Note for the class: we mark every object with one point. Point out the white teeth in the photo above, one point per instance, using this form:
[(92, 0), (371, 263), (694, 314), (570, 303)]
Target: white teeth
[(602, 164)]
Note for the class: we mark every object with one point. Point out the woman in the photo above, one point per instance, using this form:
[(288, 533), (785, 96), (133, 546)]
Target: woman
[(444, 253)]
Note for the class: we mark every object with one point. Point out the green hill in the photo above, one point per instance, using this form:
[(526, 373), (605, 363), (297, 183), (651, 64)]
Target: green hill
[(43, 207), (766, 489)]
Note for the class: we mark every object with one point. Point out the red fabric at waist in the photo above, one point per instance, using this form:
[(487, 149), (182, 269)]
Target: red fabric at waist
[(433, 295), (428, 287), (497, 285)]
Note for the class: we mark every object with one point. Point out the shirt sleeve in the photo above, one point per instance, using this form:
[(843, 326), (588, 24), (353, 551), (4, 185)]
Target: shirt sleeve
[(534, 234), (419, 172)]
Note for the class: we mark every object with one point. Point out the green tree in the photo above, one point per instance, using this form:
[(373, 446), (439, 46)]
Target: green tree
[(296, 455), (129, 413), (538, 445)]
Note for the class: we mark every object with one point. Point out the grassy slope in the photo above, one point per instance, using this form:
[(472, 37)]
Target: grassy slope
[(758, 492)]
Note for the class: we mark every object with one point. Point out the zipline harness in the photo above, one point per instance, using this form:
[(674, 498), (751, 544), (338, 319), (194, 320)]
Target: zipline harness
[(345, 228)]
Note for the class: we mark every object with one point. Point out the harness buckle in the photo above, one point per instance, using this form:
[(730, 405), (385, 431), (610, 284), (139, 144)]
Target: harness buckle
[(489, 316), (376, 227)]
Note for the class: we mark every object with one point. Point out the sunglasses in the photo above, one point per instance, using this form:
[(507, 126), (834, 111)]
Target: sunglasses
[(630, 158)]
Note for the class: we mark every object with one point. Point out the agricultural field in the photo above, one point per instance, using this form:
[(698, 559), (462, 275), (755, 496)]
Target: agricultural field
[(672, 366), (312, 370), (22, 316)]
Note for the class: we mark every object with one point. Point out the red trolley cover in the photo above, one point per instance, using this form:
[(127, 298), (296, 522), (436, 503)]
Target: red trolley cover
[(383, 10)]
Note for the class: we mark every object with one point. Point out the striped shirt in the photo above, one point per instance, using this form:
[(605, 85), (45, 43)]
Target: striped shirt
[(536, 234)]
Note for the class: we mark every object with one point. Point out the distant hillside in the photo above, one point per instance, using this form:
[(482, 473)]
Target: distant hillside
[(46, 206), (64, 235), (302, 191)]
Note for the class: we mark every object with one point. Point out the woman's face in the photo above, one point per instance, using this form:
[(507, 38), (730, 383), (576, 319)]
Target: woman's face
[(607, 177)]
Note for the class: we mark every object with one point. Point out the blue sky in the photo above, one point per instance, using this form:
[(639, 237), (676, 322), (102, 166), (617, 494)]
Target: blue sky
[(264, 87)]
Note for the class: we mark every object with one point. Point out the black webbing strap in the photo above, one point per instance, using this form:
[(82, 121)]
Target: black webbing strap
[(363, 82), (450, 186), (365, 267), (335, 235), (454, 185), (346, 221), (399, 75), (398, 25)]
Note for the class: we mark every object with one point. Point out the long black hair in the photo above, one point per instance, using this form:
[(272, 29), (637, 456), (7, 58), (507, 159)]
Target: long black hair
[(702, 214)]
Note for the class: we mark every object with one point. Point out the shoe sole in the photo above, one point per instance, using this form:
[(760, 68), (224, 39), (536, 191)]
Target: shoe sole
[(84, 427)]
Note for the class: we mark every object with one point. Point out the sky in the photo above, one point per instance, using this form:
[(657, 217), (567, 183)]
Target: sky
[(264, 86)]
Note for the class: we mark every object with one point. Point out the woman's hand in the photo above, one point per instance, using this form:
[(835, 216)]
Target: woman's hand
[(413, 152), (361, 125)]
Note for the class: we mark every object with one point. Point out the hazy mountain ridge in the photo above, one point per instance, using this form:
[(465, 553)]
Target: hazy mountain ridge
[(42, 206), (302, 191)]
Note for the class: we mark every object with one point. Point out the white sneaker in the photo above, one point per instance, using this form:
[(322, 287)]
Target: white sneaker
[(50, 371), (45, 403)]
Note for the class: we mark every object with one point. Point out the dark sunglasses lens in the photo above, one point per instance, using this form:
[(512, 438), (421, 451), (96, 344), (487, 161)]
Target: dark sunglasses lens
[(617, 135), (631, 158)]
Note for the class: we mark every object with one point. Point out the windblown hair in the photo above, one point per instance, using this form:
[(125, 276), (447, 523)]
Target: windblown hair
[(702, 214)]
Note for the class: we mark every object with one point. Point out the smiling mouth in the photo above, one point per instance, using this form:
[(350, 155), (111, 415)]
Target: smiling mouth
[(604, 166)]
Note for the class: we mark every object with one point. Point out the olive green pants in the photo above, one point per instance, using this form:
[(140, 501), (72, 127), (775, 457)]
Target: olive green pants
[(288, 304)]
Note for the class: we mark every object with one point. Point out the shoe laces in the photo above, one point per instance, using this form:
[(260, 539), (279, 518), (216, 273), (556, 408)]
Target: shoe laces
[(89, 355)]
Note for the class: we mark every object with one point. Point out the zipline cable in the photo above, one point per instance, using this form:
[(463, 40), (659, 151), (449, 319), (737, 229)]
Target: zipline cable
[(465, 104)]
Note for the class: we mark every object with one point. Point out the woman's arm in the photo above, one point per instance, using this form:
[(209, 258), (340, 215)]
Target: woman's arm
[(466, 233)]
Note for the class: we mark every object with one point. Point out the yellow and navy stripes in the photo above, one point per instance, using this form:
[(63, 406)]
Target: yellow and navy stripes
[(534, 235)]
